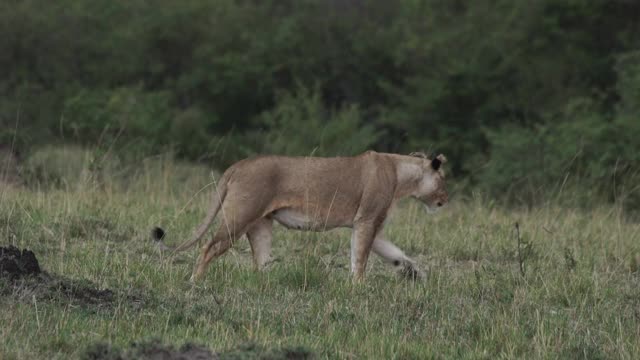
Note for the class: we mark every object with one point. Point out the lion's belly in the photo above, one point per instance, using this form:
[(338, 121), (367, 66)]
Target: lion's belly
[(292, 219)]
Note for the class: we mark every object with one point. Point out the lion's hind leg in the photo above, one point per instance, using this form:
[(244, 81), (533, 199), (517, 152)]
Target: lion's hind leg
[(260, 235), (233, 226)]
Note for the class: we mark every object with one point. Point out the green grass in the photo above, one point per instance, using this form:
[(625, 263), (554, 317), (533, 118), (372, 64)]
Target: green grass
[(579, 296)]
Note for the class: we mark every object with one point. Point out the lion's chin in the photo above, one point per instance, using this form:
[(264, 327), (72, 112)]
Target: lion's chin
[(431, 209)]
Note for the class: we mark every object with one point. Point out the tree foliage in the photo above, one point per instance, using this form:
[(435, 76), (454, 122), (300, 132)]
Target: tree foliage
[(490, 83)]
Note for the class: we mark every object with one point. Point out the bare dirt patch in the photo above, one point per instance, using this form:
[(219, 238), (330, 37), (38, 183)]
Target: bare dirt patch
[(155, 350), (22, 278)]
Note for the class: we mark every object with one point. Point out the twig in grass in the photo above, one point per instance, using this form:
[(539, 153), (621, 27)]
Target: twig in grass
[(520, 254), (35, 304)]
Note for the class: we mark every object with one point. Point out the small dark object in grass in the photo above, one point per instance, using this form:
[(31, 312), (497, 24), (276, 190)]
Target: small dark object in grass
[(17, 263)]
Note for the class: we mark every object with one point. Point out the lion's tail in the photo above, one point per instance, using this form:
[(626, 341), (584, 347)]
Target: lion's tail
[(218, 197)]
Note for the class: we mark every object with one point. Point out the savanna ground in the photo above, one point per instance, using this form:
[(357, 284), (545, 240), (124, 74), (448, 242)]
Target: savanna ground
[(570, 288)]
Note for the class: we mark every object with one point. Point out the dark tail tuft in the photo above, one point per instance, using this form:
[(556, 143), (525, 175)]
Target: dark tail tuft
[(157, 234)]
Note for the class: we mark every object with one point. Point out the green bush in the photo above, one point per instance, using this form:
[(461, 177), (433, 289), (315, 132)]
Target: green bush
[(140, 120), (300, 124), (68, 167), (221, 80), (575, 152), (595, 155)]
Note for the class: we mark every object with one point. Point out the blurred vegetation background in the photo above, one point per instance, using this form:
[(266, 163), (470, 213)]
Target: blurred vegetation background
[(530, 100)]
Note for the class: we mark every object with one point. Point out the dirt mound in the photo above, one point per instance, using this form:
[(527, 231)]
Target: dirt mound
[(253, 351), (155, 350), (21, 278), (17, 263), (148, 351)]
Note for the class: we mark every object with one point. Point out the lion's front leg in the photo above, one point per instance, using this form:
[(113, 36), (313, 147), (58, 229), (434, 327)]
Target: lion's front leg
[(362, 239), (395, 256)]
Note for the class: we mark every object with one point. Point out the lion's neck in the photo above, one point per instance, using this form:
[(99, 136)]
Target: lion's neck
[(408, 176)]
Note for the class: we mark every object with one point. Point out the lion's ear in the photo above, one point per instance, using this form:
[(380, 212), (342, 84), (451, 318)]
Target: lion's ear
[(435, 164), (437, 161)]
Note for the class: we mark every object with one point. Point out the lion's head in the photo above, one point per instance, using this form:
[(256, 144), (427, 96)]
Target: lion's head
[(431, 189)]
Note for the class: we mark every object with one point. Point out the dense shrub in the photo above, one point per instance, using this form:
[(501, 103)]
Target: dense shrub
[(67, 167), (220, 80), (322, 132), (583, 148), (123, 114)]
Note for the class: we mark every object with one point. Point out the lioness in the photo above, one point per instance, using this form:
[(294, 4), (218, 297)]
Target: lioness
[(313, 193)]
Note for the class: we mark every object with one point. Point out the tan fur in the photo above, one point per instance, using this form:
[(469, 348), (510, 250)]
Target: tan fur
[(318, 194)]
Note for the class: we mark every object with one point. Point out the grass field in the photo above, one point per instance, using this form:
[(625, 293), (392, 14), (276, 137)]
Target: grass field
[(570, 288)]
